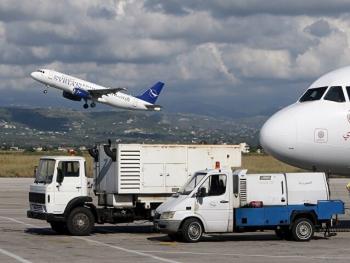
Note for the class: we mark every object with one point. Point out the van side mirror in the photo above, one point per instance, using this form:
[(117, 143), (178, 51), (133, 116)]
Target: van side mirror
[(59, 176), (201, 192)]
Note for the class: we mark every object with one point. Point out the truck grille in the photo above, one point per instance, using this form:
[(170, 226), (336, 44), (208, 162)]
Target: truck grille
[(130, 168), (38, 198), (243, 191)]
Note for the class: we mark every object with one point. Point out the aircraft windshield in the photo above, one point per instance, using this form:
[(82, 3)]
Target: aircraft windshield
[(335, 94), (191, 183), (45, 171), (313, 94)]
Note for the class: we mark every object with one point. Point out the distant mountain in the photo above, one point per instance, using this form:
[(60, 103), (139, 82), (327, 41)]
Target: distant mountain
[(26, 127)]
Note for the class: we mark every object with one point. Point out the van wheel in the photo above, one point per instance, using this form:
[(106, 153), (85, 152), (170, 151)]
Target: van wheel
[(192, 230), (59, 227), (80, 221), (303, 229)]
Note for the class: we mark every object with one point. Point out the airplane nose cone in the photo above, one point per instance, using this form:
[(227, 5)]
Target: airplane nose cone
[(34, 75), (278, 135)]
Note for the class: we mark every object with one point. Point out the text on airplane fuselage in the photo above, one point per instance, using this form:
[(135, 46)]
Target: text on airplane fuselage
[(69, 81)]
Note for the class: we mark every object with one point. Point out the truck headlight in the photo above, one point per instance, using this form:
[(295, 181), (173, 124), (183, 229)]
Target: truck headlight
[(167, 215)]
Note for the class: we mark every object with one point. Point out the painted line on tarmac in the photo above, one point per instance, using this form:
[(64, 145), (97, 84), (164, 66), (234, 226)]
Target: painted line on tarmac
[(18, 221), (101, 243), (14, 256), (244, 255), (128, 250)]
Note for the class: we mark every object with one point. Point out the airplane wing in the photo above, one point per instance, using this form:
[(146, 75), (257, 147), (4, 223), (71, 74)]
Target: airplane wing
[(100, 92)]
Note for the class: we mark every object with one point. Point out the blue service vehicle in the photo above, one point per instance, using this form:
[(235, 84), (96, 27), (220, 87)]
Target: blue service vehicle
[(295, 205)]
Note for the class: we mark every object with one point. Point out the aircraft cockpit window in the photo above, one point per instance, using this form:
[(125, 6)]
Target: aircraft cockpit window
[(41, 71), (336, 94), (348, 91), (313, 94)]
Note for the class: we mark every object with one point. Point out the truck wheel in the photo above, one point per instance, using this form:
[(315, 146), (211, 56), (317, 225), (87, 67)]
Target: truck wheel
[(80, 221), (303, 229), (59, 227), (192, 230)]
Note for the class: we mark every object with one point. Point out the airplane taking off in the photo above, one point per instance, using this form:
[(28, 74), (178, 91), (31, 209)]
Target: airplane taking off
[(314, 132), (77, 89)]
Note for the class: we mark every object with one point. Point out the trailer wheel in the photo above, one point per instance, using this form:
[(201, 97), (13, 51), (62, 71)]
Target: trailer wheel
[(192, 230), (80, 221), (59, 227), (303, 229)]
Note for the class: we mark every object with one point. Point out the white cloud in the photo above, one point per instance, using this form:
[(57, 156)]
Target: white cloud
[(235, 48)]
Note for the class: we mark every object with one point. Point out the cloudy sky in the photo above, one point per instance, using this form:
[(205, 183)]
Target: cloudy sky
[(218, 57)]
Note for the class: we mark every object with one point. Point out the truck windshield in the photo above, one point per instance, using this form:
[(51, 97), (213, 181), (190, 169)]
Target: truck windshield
[(45, 171), (191, 184)]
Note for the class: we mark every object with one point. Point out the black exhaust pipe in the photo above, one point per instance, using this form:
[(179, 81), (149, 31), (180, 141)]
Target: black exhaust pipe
[(110, 153), (94, 153)]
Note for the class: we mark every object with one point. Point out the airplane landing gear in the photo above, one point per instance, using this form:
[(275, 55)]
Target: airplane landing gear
[(93, 105), (45, 90), (86, 106)]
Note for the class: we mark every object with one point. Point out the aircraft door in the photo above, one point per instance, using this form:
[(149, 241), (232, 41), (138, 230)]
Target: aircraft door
[(214, 206)]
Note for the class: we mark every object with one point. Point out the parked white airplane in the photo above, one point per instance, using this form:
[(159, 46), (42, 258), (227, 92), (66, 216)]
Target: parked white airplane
[(314, 132), (77, 89)]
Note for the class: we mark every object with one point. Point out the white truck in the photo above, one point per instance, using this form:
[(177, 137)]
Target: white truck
[(219, 201), (130, 180)]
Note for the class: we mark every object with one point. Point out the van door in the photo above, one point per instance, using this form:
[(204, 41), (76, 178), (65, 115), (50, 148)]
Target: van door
[(214, 207), (71, 185)]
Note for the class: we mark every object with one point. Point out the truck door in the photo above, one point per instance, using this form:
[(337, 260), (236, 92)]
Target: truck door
[(71, 185), (214, 207)]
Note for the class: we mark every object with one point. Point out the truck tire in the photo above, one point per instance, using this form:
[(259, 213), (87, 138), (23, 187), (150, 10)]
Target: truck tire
[(192, 230), (80, 221), (59, 227), (303, 229)]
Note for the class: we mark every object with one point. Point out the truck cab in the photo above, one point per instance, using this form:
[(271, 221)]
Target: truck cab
[(60, 185), (219, 201)]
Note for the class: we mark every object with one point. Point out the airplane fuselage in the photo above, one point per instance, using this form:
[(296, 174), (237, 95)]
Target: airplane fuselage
[(314, 134), (67, 83)]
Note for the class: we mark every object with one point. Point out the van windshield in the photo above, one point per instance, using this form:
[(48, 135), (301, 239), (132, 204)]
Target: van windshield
[(313, 94), (45, 171), (191, 183)]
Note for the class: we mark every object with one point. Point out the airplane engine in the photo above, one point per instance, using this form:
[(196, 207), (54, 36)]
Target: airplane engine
[(71, 96), (83, 94)]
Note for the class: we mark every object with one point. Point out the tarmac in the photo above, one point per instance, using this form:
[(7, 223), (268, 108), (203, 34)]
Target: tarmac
[(27, 240)]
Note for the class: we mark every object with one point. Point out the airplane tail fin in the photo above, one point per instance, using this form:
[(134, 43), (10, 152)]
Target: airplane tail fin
[(151, 95)]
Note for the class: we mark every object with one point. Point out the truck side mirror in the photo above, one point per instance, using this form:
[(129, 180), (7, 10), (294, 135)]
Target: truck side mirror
[(60, 176), (201, 192), (35, 171)]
